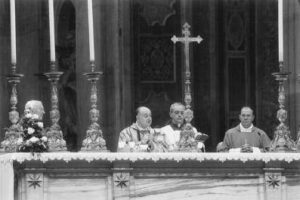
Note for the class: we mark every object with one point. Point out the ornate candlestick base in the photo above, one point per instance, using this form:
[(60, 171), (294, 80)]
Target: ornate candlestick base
[(54, 134), (282, 141), (298, 133), (298, 141), (13, 133), (94, 140)]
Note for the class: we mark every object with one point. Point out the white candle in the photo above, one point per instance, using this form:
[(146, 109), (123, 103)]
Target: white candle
[(13, 31), (51, 29), (280, 30), (91, 30)]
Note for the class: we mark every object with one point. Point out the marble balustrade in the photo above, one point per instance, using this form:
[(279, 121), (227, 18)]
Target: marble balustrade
[(149, 176)]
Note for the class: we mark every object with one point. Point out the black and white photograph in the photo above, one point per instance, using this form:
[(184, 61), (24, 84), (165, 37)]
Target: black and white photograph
[(150, 99)]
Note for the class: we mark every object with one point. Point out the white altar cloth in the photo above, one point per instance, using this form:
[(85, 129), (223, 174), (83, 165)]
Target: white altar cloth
[(133, 157)]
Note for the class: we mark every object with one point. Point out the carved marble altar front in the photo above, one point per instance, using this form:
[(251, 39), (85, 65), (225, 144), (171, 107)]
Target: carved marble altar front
[(88, 175)]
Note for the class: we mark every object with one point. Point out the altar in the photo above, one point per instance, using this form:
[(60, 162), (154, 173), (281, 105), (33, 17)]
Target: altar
[(141, 176)]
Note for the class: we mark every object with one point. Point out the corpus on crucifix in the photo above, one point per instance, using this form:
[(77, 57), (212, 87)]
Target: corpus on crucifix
[(189, 140)]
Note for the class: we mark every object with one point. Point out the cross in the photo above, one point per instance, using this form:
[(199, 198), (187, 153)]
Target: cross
[(186, 39), (188, 113)]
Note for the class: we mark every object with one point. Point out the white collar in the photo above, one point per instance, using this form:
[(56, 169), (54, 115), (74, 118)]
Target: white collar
[(246, 130)]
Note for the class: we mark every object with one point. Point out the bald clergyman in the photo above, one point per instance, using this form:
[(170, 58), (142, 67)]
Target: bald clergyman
[(139, 132)]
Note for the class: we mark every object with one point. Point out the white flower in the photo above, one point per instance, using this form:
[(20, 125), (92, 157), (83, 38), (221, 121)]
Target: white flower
[(44, 139), (40, 124), (20, 141), (131, 144), (34, 139), (28, 115), (30, 130), (121, 144), (28, 142), (35, 116)]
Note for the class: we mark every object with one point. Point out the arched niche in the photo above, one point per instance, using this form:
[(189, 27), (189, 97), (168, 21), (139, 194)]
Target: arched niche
[(66, 62)]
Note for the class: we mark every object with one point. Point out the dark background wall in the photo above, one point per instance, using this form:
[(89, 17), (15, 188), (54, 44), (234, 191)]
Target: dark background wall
[(231, 67)]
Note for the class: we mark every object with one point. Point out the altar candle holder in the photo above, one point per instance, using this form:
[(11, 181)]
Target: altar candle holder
[(12, 134), (282, 141), (298, 133), (94, 140), (54, 133)]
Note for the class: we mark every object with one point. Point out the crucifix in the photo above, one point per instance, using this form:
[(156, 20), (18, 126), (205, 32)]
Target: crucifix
[(188, 113), (186, 40)]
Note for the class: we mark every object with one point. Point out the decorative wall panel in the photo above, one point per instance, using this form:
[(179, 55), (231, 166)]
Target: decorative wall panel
[(157, 11), (157, 67), (197, 188), (156, 59)]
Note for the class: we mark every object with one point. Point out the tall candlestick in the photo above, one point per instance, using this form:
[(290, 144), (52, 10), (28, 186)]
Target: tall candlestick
[(280, 30), (51, 28), (91, 30), (13, 32)]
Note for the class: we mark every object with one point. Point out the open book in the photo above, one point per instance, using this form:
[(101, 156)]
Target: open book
[(201, 137)]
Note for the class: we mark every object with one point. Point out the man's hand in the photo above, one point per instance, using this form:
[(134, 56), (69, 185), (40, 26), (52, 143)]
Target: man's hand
[(121, 144), (201, 146), (246, 148)]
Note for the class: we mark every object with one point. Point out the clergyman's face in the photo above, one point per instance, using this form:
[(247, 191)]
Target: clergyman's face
[(177, 114), (246, 117), (144, 118)]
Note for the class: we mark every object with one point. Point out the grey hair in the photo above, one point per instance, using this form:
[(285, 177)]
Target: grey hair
[(247, 107), (175, 104)]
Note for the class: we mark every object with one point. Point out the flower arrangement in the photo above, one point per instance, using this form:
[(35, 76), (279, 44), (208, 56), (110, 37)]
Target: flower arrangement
[(33, 138)]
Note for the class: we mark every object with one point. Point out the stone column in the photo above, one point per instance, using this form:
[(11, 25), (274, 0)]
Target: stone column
[(291, 45), (5, 63), (116, 53)]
